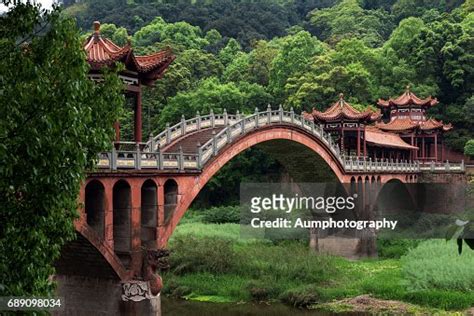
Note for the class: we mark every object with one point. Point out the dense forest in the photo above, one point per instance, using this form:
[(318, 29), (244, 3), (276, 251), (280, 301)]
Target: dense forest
[(246, 54)]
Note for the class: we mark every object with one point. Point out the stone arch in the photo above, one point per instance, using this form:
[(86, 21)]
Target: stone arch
[(122, 209), (395, 194), (149, 213), (100, 262), (171, 191), (192, 186), (94, 206)]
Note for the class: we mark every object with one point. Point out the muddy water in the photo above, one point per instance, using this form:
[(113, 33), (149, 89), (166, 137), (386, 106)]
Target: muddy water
[(175, 307)]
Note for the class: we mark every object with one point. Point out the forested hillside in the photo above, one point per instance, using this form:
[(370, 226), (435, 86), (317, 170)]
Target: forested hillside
[(242, 55)]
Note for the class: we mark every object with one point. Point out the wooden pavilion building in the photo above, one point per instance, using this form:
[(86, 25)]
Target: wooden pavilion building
[(353, 131), (406, 116), (139, 70)]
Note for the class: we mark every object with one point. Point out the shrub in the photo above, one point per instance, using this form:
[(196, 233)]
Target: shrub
[(395, 248), (301, 297), (261, 290), (204, 254), (435, 264), (222, 214)]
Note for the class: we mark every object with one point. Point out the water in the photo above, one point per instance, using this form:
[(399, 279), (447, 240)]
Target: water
[(175, 307)]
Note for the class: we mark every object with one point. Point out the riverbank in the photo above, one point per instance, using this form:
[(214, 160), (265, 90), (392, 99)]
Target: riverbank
[(211, 263)]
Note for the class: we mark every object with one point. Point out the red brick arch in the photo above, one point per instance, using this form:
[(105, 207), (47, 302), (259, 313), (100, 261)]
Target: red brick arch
[(192, 186), (108, 254)]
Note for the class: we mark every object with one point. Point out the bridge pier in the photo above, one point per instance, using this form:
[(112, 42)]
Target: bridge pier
[(98, 296)]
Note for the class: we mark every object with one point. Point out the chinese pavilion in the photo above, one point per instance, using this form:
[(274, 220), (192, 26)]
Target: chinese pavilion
[(139, 70), (352, 131), (406, 116)]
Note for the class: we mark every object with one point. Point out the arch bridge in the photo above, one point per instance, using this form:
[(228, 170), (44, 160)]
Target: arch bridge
[(139, 191)]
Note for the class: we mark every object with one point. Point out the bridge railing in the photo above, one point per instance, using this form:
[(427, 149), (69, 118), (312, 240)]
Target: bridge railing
[(139, 159), (149, 156), (433, 166), (184, 127)]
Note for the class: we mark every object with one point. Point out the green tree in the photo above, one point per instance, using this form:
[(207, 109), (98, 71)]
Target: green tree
[(54, 121), (118, 35), (348, 19), (469, 148), (229, 52), (293, 58)]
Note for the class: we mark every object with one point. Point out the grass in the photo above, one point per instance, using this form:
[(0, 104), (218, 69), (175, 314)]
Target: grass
[(221, 267)]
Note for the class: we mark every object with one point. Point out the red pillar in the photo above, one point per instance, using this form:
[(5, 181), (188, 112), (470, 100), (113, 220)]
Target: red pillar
[(358, 142), (117, 130), (138, 116), (436, 146), (442, 149), (423, 156), (109, 213), (135, 222), (365, 146), (161, 215)]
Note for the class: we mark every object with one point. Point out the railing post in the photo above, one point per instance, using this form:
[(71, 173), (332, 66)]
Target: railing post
[(243, 126), (150, 140), (463, 168), (312, 127), (302, 120), (213, 118), (269, 114), (365, 163), (432, 166), (214, 143), (181, 159), (237, 115), (138, 157), (292, 115), (160, 158), (280, 113), (168, 133), (227, 132), (256, 118), (113, 158), (198, 121), (199, 157), (447, 166), (183, 125), (226, 118)]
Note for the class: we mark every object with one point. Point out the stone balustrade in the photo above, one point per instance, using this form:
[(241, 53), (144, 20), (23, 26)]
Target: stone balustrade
[(149, 156)]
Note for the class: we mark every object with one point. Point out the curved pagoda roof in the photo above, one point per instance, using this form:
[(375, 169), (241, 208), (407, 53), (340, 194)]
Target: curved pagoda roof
[(102, 52), (343, 111), (407, 124), (379, 138), (406, 99)]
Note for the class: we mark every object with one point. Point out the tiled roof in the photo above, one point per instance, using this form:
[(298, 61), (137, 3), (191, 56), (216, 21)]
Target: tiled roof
[(341, 110), (406, 99), (406, 124), (380, 138), (103, 52)]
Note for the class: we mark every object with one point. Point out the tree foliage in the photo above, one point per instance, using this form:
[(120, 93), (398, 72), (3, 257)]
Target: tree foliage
[(54, 121)]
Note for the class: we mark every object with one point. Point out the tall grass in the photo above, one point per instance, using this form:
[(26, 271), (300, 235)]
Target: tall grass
[(212, 262), (435, 264)]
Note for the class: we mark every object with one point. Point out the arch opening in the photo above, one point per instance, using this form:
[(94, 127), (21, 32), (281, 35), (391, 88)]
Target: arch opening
[(122, 220), (149, 214), (95, 206)]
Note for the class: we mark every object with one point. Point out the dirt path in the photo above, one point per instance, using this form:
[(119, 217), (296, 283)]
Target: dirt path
[(368, 304)]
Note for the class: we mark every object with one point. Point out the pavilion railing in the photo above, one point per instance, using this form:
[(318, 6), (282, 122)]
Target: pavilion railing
[(150, 156)]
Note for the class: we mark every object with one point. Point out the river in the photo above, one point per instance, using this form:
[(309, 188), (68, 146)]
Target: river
[(176, 307)]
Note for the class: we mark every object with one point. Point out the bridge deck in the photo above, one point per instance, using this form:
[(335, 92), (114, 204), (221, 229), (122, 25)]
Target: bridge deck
[(189, 142)]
